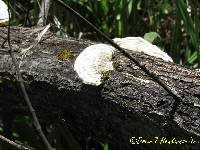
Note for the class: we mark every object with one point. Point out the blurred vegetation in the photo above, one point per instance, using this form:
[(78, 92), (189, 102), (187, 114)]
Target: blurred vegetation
[(176, 21), (174, 24)]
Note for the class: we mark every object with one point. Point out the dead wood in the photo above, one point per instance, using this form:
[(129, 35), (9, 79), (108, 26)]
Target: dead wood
[(127, 104)]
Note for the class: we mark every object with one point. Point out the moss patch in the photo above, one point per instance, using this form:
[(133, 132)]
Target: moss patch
[(105, 75), (65, 54)]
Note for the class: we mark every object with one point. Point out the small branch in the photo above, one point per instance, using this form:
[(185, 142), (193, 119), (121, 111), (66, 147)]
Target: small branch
[(18, 146), (36, 42), (26, 97)]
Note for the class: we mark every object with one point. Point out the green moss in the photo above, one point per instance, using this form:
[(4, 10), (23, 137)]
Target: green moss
[(65, 54), (116, 63), (105, 75), (4, 23)]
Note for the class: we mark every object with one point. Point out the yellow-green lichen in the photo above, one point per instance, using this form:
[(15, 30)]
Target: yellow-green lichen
[(65, 54), (3, 23), (116, 63), (105, 75)]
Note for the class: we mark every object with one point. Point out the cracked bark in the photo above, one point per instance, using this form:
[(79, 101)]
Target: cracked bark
[(128, 104)]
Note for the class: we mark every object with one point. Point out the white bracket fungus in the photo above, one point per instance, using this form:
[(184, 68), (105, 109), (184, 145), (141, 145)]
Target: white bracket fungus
[(96, 59), (3, 12), (92, 62), (140, 45)]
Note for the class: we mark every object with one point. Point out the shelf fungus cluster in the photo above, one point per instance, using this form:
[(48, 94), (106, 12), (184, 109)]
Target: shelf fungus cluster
[(96, 60), (3, 12), (140, 45), (93, 62)]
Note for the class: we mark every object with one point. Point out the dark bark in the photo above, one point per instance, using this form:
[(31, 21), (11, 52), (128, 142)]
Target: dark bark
[(128, 104)]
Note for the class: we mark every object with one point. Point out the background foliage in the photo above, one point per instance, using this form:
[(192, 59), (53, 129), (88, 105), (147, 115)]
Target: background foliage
[(175, 25), (176, 21)]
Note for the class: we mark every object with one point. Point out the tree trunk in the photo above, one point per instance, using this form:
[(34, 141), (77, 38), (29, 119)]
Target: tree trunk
[(128, 104)]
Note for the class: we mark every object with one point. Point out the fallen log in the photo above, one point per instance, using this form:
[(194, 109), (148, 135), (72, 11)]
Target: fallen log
[(129, 110)]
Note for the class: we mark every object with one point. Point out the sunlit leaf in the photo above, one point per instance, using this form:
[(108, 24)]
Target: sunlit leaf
[(151, 36), (105, 147)]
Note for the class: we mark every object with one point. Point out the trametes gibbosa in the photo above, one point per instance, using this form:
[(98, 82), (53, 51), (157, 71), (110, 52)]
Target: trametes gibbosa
[(96, 59)]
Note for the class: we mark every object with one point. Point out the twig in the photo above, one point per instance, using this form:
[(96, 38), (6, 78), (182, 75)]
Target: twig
[(18, 146), (175, 95), (36, 42), (25, 94)]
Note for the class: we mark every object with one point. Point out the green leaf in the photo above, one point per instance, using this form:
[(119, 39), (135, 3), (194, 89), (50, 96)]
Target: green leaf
[(189, 26), (105, 147), (151, 36), (176, 36), (192, 58), (104, 6)]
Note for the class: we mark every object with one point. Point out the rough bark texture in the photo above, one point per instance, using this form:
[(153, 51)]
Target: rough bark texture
[(127, 104)]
